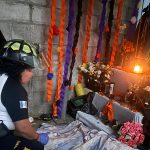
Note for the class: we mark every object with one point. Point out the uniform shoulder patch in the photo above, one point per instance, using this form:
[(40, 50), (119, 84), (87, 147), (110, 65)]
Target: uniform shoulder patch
[(23, 104)]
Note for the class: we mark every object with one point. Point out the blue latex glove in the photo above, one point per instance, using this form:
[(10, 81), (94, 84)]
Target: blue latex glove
[(43, 138)]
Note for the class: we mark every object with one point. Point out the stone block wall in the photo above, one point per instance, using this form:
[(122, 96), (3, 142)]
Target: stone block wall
[(29, 20)]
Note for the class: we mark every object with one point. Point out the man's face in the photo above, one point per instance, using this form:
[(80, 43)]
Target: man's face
[(26, 75)]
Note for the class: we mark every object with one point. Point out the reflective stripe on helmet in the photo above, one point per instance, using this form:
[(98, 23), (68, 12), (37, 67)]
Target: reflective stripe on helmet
[(7, 45), (26, 49), (34, 52), (15, 46)]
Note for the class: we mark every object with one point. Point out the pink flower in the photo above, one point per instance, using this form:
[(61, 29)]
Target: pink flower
[(124, 131), (136, 139), (121, 137), (122, 140), (127, 125), (141, 139)]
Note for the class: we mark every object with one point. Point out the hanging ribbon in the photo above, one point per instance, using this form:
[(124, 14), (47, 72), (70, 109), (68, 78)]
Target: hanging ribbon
[(101, 29), (108, 31), (70, 29), (60, 56), (50, 37), (116, 36), (87, 35), (76, 36)]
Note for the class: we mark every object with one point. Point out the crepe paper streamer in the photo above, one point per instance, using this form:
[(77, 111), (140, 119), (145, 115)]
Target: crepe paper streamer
[(87, 36), (88, 27), (79, 89), (101, 29), (108, 30), (108, 111), (70, 30), (116, 36), (50, 38), (59, 76), (76, 36), (55, 30), (133, 21), (60, 57)]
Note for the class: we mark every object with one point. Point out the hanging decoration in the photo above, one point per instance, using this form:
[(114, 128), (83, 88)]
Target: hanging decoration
[(76, 36), (60, 56), (101, 29), (55, 30), (50, 37), (116, 36), (70, 30), (88, 27), (87, 35), (108, 30)]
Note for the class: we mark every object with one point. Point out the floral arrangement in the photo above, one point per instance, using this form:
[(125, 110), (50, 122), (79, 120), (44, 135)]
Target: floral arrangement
[(131, 133), (138, 94), (131, 93), (96, 75), (96, 70)]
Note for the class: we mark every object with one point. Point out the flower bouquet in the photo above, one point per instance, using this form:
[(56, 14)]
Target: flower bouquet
[(96, 75), (131, 133)]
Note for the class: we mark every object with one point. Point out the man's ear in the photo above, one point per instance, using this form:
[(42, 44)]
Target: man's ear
[(2, 40)]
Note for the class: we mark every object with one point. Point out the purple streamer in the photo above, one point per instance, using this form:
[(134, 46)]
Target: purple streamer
[(132, 27), (101, 29), (70, 29)]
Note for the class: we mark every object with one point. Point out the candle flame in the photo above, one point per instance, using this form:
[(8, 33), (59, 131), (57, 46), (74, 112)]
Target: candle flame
[(138, 69)]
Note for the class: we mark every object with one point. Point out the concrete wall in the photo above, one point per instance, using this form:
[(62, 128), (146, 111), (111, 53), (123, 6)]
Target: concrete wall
[(29, 20)]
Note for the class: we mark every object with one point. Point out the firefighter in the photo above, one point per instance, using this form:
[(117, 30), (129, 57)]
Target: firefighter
[(17, 59)]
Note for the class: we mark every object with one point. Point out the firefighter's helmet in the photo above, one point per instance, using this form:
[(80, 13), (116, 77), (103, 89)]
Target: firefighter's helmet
[(20, 51)]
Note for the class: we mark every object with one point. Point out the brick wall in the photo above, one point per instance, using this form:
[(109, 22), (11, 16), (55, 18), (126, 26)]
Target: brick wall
[(29, 20)]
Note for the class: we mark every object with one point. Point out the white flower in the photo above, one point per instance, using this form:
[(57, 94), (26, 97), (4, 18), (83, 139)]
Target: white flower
[(106, 81), (103, 66), (146, 103), (98, 76), (99, 72), (147, 88)]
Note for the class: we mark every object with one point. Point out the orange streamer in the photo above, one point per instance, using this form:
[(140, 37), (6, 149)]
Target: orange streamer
[(50, 37), (87, 35), (108, 111), (60, 55), (116, 36)]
